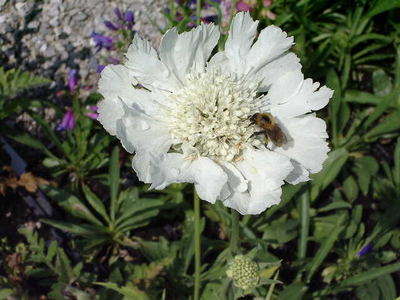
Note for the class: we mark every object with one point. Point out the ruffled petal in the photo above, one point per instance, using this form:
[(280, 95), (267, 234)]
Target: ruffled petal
[(255, 182), (285, 88), (140, 132), (241, 35), (148, 69), (274, 70), (299, 174), (181, 52), (164, 169), (291, 96), (247, 59), (271, 44), (117, 86), (306, 141)]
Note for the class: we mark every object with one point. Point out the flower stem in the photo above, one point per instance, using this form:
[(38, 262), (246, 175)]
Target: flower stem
[(232, 14), (235, 232), (197, 246), (198, 12)]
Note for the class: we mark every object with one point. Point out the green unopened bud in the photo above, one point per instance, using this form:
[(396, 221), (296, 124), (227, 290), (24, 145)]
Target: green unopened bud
[(244, 272)]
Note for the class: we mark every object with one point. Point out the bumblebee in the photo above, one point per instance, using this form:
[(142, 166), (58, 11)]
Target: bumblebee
[(269, 128)]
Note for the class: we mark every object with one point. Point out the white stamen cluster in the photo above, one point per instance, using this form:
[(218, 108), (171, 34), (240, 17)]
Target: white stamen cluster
[(211, 115)]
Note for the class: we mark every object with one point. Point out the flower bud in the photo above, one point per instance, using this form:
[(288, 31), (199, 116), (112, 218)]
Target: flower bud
[(244, 272)]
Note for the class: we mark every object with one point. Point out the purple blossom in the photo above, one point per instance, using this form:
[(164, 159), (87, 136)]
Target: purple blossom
[(365, 250), (100, 68), (72, 80), (118, 13), (68, 121), (93, 114), (102, 41), (114, 61), (129, 18), (110, 25)]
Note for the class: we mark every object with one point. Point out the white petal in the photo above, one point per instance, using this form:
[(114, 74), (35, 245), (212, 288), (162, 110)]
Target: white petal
[(164, 169), (241, 35), (299, 174), (116, 84), (271, 43), (271, 72), (181, 52), (285, 88), (307, 99), (306, 141), (263, 171), (148, 69), (140, 132)]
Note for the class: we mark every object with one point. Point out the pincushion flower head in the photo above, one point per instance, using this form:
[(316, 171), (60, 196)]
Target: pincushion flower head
[(192, 120)]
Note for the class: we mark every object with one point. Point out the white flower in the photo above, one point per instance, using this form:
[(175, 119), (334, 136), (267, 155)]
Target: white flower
[(191, 121)]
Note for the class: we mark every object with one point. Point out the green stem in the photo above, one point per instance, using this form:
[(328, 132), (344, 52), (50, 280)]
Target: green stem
[(304, 223), (198, 12), (235, 232), (233, 9), (197, 246)]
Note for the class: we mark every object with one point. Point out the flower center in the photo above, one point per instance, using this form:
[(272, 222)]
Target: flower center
[(211, 116)]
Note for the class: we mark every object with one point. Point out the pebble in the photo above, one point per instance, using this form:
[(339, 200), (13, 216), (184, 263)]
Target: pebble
[(57, 37)]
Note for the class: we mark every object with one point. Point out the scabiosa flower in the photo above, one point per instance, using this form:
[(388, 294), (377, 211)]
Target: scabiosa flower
[(68, 121), (192, 122)]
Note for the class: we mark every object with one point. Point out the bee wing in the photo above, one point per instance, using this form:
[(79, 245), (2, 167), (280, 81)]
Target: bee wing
[(276, 135)]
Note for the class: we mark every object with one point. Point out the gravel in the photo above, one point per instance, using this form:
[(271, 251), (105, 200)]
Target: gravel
[(49, 37)]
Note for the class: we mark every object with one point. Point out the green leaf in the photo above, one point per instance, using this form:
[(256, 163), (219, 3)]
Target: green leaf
[(138, 208), (332, 166), (95, 202), (47, 129), (387, 287), (396, 169), (83, 230), (326, 246), (63, 266), (70, 203), (130, 291), (14, 81), (350, 188), (51, 251), (378, 111), (381, 83), (335, 205), (390, 124), (333, 82), (295, 291), (382, 6), (114, 180), (368, 276)]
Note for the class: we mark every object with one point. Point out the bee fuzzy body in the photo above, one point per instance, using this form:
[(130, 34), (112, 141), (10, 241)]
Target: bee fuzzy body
[(270, 129)]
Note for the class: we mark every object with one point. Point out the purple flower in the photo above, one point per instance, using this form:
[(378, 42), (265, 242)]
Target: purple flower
[(110, 25), (129, 18), (102, 41), (68, 121), (365, 250), (93, 114), (114, 61), (100, 68), (72, 80), (118, 13)]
